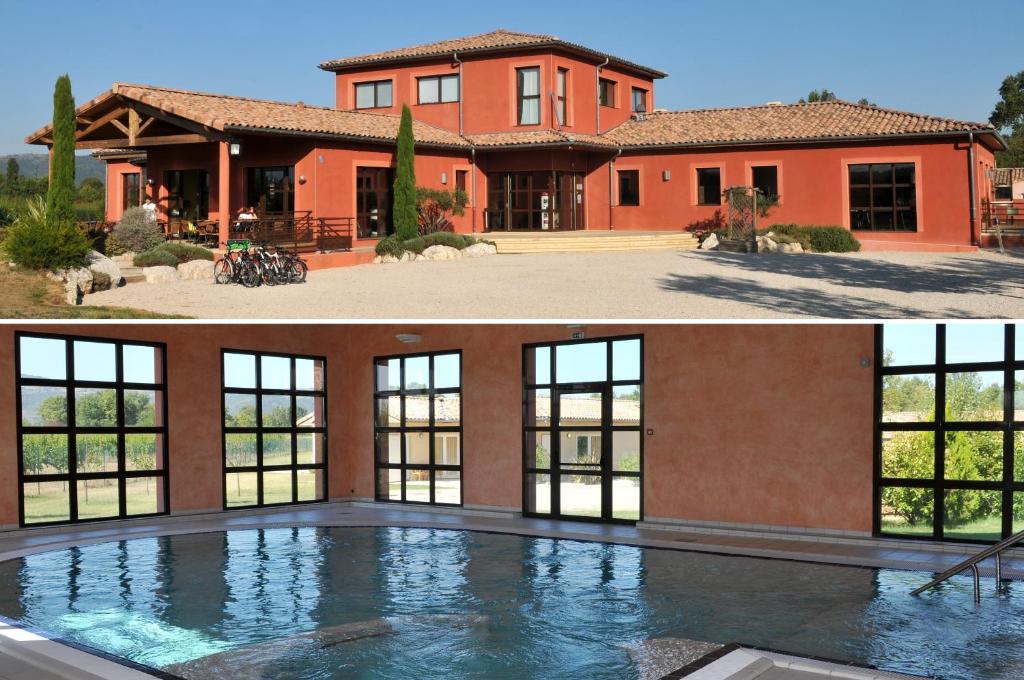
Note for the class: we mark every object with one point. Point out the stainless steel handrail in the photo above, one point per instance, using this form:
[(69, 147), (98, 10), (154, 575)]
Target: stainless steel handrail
[(972, 564)]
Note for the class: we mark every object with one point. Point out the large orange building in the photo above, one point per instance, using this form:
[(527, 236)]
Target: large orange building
[(543, 135)]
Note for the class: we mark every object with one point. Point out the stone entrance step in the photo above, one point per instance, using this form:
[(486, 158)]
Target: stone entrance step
[(591, 242)]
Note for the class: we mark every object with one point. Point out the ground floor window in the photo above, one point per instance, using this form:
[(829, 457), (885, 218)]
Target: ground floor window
[(582, 429), (765, 178), (92, 430), (1004, 192), (188, 194), (418, 428), (271, 190), (373, 202), (534, 201), (131, 190), (629, 187), (275, 428), (709, 186), (883, 197), (949, 445)]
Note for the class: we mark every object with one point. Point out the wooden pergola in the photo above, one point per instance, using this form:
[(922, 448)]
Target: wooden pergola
[(114, 121)]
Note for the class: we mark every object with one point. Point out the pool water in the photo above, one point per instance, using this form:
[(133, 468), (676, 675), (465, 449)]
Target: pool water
[(325, 603)]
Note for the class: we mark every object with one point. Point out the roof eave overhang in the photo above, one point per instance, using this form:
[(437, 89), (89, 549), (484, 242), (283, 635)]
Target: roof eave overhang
[(655, 74), (960, 135), (362, 139), (541, 146)]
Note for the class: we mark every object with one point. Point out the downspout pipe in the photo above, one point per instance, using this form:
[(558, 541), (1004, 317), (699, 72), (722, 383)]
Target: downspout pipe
[(472, 165), (455, 58), (971, 188), (611, 186), (597, 94)]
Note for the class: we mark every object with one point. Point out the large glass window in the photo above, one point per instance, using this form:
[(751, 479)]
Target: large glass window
[(188, 194), (528, 80), (582, 429), (438, 89), (766, 179), (271, 191), (950, 430), (418, 428), (562, 95), (92, 431), (639, 100), (883, 197), (373, 95), (275, 428), (131, 190)]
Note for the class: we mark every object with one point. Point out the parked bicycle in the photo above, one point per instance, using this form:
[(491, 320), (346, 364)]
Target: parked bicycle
[(259, 264)]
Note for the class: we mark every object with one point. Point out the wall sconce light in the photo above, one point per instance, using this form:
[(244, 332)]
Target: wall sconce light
[(150, 181), (302, 179), (235, 149), (408, 338), (865, 362), (444, 178), (666, 175)]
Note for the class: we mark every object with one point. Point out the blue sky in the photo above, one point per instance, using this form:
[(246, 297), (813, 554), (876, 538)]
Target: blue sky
[(942, 57)]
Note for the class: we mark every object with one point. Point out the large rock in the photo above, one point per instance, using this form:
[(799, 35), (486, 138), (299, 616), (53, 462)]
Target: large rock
[(160, 274), (77, 282), (766, 245), (710, 243), (442, 253), (98, 262), (196, 270), (790, 248), (479, 250)]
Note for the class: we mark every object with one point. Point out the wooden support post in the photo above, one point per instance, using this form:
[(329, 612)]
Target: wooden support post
[(224, 192), (133, 126)]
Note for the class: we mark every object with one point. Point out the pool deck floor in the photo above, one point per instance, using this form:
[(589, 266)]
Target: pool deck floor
[(805, 547)]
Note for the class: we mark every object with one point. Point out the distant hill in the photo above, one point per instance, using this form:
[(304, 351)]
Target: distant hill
[(35, 165)]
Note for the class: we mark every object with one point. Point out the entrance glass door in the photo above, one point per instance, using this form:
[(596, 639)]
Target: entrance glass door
[(582, 444), (534, 201)]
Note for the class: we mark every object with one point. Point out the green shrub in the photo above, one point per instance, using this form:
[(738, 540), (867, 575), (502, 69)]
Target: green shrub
[(36, 242), (825, 239), (832, 240), (445, 238), (155, 257), (415, 245), (137, 232), (390, 245), (112, 247), (6, 216), (185, 252)]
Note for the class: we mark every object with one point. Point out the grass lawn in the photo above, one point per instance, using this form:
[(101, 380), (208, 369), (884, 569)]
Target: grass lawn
[(985, 529), (31, 295), (48, 501)]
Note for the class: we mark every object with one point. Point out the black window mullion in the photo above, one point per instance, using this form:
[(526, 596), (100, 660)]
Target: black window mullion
[(939, 501), (122, 486), (69, 347), (1009, 383)]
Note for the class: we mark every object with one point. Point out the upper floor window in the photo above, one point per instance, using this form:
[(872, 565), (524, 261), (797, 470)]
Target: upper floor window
[(438, 89), (629, 187), (92, 429), (639, 100), (709, 186), (766, 179), (274, 428), (561, 94), (606, 92), (373, 95), (529, 95), (460, 180), (883, 197), (1004, 192)]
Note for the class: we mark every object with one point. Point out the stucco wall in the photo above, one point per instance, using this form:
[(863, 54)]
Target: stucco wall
[(767, 424)]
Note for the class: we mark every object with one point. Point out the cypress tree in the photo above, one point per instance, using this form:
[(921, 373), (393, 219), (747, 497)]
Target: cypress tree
[(12, 171), (61, 195), (405, 180)]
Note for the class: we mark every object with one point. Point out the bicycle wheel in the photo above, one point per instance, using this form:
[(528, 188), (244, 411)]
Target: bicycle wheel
[(249, 275), (297, 271), (223, 271), (268, 277)]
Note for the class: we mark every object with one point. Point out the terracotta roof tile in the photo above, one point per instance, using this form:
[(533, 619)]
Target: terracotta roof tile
[(227, 113), (537, 137), (497, 40), (1005, 176), (820, 120)]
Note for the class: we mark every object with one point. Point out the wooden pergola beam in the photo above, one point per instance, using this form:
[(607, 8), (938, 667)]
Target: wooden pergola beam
[(142, 141), (101, 121)]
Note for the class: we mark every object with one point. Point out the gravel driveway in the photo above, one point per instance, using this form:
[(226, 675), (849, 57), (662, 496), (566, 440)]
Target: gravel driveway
[(629, 285)]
